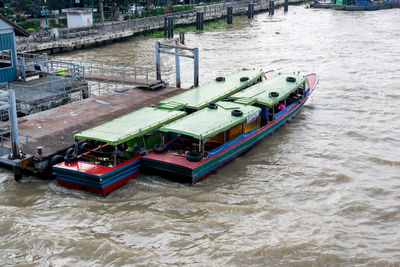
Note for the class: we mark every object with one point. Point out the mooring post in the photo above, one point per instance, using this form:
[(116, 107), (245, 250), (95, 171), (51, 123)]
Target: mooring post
[(182, 37), (165, 25), (158, 62), (201, 21), (229, 14), (177, 66), (286, 6), (250, 11), (170, 27), (197, 21), (196, 66), (271, 7)]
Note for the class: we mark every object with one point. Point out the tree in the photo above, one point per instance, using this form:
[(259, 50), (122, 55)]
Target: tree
[(29, 6), (57, 4)]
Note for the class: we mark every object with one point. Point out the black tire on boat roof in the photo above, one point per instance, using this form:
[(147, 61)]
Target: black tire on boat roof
[(70, 158), (237, 113), (273, 94), (291, 79), (159, 148), (243, 79), (212, 105), (194, 156), (220, 79), (55, 160)]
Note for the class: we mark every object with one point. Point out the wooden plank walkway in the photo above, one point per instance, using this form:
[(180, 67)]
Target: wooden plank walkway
[(54, 129)]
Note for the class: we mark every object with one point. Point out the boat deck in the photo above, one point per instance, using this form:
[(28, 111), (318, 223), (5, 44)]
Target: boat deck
[(54, 129)]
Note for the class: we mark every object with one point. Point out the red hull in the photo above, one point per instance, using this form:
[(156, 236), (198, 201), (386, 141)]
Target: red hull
[(99, 191)]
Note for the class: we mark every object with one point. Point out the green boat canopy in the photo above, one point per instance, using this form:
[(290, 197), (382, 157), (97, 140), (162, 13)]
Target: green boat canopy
[(260, 93), (208, 122), (198, 97), (131, 125)]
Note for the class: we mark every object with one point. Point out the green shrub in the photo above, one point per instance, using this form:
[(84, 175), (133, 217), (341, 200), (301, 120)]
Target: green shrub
[(176, 9), (52, 22), (63, 21), (32, 23), (97, 16), (30, 30), (153, 12)]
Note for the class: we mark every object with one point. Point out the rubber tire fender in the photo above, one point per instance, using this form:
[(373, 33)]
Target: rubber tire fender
[(70, 158), (69, 151), (85, 147), (159, 148), (220, 79), (237, 113), (55, 160), (243, 79), (194, 156)]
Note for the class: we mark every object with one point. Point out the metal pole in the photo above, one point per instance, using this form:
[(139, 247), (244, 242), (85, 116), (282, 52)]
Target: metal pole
[(12, 111), (182, 37), (45, 3), (158, 62), (177, 66), (196, 66)]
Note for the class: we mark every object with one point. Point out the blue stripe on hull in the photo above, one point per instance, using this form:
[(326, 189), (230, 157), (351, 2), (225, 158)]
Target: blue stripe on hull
[(229, 154), (97, 178), (99, 184)]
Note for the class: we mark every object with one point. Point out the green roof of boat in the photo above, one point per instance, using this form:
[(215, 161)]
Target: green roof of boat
[(208, 122), (198, 97), (130, 125), (260, 93)]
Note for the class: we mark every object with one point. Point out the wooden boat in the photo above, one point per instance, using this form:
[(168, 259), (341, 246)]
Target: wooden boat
[(111, 154), (205, 140)]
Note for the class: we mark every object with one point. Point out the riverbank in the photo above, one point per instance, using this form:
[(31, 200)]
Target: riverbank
[(101, 34)]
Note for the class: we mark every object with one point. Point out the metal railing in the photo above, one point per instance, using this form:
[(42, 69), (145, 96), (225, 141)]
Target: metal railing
[(115, 73), (53, 85)]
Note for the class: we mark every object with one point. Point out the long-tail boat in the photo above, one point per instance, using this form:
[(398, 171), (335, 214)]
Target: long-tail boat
[(205, 140), (107, 156)]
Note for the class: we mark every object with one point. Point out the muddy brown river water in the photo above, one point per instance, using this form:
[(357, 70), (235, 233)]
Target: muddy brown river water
[(324, 190)]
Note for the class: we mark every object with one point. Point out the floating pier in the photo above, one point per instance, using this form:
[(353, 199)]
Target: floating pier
[(51, 132)]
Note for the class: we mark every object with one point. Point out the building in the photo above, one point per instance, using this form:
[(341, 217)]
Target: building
[(79, 17), (8, 52)]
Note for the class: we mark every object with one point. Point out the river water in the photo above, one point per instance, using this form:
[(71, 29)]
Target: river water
[(324, 190)]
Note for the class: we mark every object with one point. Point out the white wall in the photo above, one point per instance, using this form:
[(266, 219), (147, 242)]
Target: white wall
[(75, 20)]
